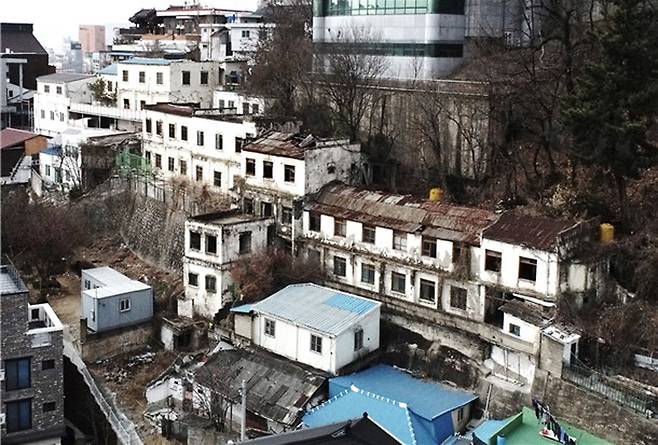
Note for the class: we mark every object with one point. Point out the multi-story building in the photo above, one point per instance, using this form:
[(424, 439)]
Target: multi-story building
[(55, 94), (32, 366), (92, 38), (202, 145)]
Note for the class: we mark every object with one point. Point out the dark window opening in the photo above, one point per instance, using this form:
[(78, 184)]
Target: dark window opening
[(195, 240), (527, 269), (211, 244), (427, 291), (250, 167), (458, 297), (314, 222), (492, 261), (429, 247), (367, 273), (245, 243), (267, 170), (340, 266), (398, 282), (368, 234)]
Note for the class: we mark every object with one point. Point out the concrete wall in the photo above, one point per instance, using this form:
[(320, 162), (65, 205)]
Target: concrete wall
[(108, 344)]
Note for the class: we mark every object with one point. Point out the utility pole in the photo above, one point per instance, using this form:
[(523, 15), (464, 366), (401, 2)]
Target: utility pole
[(243, 411)]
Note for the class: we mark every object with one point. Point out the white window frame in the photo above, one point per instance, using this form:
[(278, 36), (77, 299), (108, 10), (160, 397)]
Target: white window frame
[(124, 305), (316, 344), (269, 323)]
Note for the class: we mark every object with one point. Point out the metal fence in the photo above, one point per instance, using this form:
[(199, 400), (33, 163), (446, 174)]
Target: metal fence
[(641, 401)]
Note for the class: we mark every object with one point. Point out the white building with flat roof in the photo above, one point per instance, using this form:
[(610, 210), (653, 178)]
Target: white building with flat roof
[(55, 93)]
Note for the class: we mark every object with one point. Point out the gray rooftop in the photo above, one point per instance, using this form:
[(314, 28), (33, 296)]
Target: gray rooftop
[(114, 282), (63, 77), (10, 282)]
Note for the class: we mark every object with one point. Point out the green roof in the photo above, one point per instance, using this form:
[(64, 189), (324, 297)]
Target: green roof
[(524, 428)]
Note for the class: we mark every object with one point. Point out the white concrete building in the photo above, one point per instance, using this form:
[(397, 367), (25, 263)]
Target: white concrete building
[(312, 324), (213, 243), (55, 93), (149, 81), (238, 102), (204, 146)]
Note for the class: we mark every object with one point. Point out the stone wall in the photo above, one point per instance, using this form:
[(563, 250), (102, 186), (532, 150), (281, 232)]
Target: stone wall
[(98, 346)]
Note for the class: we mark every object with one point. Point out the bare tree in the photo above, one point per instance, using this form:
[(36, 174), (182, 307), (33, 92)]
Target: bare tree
[(213, 405)]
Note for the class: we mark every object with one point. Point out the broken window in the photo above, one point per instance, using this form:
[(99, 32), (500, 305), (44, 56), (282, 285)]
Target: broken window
[(248, 206), (314, 222), (211, 244), (429, 247), (211, 283), (186, 77), (245, 243), (286, 215), (289, 173), (340, 227), (192, 279), (527, 269), (250, 167), (340, 266), (368, 234), (255, 109), (399, 241), (195, 240), (316, 343), (270, 327), (515, 329), (427, 291), (358, 339), (267, 170), (398, 282), (458, 297), (492, 261), (367, 273)]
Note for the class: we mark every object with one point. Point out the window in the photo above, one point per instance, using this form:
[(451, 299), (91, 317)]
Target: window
[(147, 156), (340, 227), (52, 115), (47, 170), (265, 209), (492, 261), (460, 415), (124, 304), (289, 173), (142, 104), (43, 114), (61, 117), (238, 144), (59, 89), (458, 297), (427, 291), (314, 222), (183, 168), (231, 104), (192, 279), (158, 161), (515, 329), (211, 244), (199, 173), (46, 88), (149, 126), (399, 241), (126, 104), (245, 108), (199, 138), (211, 283), (47, 364), (158, 128), (456, 252), (159, 78), (183, 132), (195, 240), (171, 162), (316, 344), (142, 77), (49, 406), (245, 242), (204, 78), (18, 373), (255, 109), (186, 77), (358, 339), (217, 179), (527, 269), (368, 234), (124, 74), (286, 215), (251, 167), (367, 273), (398, 282), (340, 266), (429, 247), (270, 327), (172, 131), (248, 206), (267, 170), (219, 142), (245, 33), (18, 415)]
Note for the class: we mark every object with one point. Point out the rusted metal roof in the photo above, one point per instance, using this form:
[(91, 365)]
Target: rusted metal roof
[(526, 312), (183, 109), (289, 145), (403, 212), (14, 138), (537, 232)]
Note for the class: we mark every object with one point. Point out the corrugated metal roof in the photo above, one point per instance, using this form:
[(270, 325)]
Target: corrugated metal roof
[(427, 399), (538, 232), (403, 212), (115, 282), (316, 307), (278, 144), (11, 137), (110, 69), (146, 61), (63, 77)]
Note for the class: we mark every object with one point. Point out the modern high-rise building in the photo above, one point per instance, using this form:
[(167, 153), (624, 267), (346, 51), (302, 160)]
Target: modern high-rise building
[(92, 38), (420, 39)]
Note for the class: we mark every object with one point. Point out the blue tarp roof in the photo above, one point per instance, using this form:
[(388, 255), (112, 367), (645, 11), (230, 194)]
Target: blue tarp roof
[(53, 150), (427, 399), (315, 307), (391, 415), (110, 69)]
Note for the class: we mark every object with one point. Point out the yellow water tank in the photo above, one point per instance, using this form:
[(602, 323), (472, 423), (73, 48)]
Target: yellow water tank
[(436, 194), (606, 233)]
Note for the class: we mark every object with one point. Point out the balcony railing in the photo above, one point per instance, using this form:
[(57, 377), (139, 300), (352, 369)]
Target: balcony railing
[(111, 112)]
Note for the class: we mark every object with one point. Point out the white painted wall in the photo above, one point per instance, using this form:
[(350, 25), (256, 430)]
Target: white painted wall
[(51, 109), (277, 183)]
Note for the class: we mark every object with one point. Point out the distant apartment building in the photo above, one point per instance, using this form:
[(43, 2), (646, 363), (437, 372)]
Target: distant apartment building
[(32, 367), (92, 38)]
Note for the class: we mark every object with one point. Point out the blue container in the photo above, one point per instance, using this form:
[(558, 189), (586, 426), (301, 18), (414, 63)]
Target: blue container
[(501, 440)]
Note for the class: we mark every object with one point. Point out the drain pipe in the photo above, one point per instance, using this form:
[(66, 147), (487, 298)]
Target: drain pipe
[(243, 411)]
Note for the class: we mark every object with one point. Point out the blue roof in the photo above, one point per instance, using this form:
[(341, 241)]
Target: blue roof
[(146, 61), (110, 69), (427, 399), (391, 415), (53, 150), (486, 430), (319, 308), (242, 309)]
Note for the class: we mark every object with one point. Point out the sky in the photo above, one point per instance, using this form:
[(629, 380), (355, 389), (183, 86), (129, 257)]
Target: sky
[(56, 20)]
